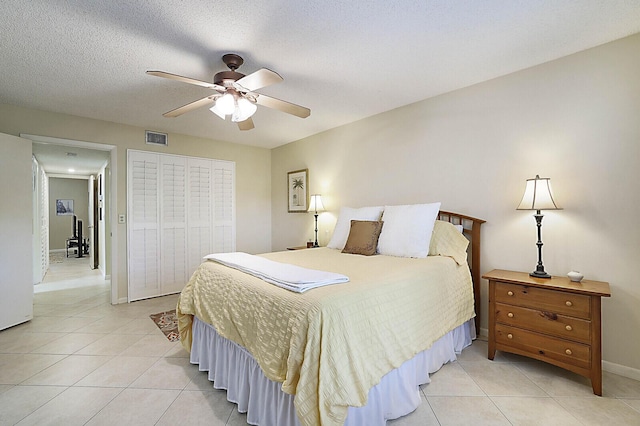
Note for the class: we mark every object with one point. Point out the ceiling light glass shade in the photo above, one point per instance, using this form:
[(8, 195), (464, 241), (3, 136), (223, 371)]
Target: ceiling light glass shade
[(316, 203), (243, 110), (224, 106), (538, 195)]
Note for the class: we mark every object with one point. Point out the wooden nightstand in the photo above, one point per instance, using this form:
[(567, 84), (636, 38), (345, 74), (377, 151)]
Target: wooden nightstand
[(553, 320), (298, 248)]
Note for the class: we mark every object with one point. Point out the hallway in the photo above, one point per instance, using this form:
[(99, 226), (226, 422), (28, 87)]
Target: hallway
[(70, 272)]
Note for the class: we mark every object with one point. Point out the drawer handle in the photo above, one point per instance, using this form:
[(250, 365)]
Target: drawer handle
[(510, 314), (510, 293), (568, 327), (568, 303), (568, 352), (510, 336)]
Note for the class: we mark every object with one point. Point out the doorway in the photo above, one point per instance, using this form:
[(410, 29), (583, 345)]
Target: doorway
[(71, 231), (57, 157)]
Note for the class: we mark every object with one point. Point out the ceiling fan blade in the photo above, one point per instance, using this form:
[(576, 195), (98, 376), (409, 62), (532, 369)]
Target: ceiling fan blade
[(262, 78), (187, 80), (246, 124), (283, 106), (189, 107)]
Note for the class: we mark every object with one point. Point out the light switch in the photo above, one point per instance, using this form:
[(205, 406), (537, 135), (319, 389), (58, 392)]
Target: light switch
[(121, 218)]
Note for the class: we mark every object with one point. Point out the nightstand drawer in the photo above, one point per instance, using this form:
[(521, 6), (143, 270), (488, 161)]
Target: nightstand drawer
[(576, 305), (541, 346), (544, 322)]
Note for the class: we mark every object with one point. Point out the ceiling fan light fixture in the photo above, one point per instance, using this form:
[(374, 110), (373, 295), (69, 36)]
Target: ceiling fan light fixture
[(235, 93), (244, 109), (214, 109), (225, 105)]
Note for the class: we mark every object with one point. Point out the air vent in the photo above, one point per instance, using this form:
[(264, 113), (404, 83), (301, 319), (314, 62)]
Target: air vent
[(155, 138)]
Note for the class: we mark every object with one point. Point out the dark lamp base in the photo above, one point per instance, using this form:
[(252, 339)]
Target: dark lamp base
[(540, 274)]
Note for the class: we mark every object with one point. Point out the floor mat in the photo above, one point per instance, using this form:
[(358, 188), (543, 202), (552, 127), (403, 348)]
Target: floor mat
[(167, 322)]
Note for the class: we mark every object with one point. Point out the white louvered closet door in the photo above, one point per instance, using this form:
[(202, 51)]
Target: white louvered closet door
[(200, 211), (180, 209), (224, 234), (43, 212), (144, 231), (173, 223), (40, 222)]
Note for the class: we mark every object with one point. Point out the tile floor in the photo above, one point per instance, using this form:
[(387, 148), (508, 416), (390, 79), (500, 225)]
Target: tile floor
[(83, 361)]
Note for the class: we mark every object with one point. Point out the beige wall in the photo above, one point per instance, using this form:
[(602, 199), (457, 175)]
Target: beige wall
[(253, 167), (60, 227), (575, 120)]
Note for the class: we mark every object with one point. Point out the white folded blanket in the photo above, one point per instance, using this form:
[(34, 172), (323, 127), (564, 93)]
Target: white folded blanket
[(291, 277)]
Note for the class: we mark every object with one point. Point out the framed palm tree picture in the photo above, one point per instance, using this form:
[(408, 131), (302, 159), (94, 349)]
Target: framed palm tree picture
[(298, 191)]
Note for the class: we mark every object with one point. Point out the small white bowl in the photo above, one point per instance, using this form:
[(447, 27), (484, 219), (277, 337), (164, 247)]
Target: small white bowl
[(575, 276)]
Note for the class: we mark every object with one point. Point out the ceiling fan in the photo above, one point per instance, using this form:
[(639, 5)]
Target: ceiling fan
[(235, 93)]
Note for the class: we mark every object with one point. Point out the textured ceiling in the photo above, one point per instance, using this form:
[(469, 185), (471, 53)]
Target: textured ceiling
[(345, 60)]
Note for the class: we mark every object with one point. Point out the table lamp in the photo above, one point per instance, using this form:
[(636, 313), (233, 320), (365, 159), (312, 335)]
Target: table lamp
[(316, 206), (538, 196)]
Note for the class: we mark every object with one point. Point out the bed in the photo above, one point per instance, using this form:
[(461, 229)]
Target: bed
[(352, 353)]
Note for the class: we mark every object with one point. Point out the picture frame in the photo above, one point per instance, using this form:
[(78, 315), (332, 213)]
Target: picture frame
[(64, 207), (298, 191)]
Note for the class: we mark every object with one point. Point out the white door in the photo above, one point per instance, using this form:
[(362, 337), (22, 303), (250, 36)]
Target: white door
[(180, 209), (224, 191), (40, 222), (200, 212), (91, 223), (173, 224), (16, 243), (143, 196)]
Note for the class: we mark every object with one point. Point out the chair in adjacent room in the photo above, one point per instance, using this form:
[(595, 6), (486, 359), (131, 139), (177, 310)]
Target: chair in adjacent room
[(73, 242)]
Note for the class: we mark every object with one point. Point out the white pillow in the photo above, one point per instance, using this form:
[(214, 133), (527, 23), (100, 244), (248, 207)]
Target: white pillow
[(343, 225), (407, 229)]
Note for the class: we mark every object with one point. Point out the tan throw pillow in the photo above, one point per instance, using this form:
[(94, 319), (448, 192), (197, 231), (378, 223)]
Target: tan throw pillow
[(363, 237)]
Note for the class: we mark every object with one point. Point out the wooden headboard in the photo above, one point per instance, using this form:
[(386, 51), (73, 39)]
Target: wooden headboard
[(471, 229)]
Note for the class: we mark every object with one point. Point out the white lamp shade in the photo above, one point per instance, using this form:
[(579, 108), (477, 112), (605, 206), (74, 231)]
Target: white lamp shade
[(214, 109), (224, 106), (538, 195), (243, 110), (316, 203)]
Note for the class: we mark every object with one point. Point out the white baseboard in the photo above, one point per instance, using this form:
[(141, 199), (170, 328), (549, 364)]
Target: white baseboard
[(621, 370), (484, 332), (57, 251), (122, 300)]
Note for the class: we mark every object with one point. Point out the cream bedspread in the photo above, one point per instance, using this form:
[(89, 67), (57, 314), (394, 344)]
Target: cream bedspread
[(330, 345)]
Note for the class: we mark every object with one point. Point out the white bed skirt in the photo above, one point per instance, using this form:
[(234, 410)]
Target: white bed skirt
[(232, 368)]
